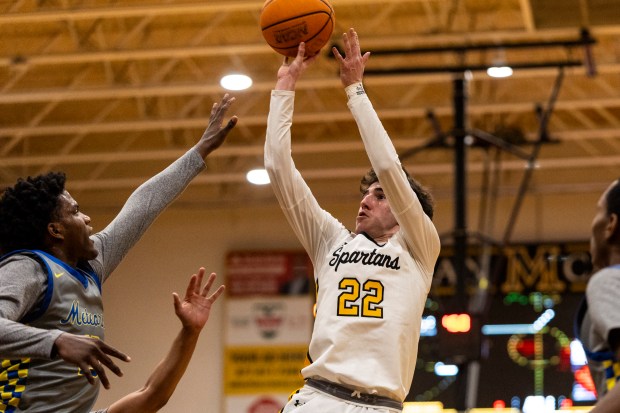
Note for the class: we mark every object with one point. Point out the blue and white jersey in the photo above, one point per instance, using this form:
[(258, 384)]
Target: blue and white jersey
[(72, 303), (598, 315)]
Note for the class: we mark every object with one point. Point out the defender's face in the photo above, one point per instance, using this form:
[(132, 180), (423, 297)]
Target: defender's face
[(375, 217), (75, 230), (599, 247)]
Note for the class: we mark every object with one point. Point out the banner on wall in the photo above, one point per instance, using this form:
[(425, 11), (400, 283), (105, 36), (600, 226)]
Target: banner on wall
[(558, 267), (268, 325)]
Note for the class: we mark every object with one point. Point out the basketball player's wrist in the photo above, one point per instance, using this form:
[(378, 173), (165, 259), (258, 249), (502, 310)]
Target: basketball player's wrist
[(286, 83), (54, 350), (354, 89)]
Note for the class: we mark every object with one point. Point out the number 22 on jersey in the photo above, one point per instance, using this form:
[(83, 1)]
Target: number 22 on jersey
[(360, 300)]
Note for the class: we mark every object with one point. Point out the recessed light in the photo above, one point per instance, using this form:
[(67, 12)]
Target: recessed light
[(258, 177), (236, 82)]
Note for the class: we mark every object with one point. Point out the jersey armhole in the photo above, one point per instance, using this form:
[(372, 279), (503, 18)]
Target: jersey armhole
[(47, 297)]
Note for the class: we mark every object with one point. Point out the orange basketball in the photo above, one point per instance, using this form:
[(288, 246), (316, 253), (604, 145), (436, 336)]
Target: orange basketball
[(286, 23)]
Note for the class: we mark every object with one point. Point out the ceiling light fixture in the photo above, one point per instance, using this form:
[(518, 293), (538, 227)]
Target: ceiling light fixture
[(258, 177), (499, 68), (236, 82), (499, 71)]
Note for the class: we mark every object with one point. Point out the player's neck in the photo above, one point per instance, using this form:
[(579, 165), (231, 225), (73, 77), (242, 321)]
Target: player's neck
[(61, 254), (614, 255)]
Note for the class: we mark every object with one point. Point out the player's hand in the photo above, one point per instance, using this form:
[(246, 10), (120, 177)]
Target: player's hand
[(215, 134), (353, 63), (89, 353), (195, 308), (289, 72)]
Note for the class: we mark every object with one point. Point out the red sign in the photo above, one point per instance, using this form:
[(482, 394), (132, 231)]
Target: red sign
[(255, 273), (264, 405)]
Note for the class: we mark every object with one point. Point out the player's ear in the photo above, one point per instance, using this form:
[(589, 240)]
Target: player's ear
[(612, 228), (54, 229)]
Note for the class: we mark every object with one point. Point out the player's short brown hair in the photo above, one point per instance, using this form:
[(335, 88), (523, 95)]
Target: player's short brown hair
[(422, 193)]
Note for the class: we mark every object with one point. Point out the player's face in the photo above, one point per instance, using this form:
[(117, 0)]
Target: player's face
[(375, 217), (74, 227), (600, 232)]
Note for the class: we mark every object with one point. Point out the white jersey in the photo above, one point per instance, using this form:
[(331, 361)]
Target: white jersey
[(370, 297)]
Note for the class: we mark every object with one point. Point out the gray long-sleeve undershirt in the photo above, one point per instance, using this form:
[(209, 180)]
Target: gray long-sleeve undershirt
[(23, 282)]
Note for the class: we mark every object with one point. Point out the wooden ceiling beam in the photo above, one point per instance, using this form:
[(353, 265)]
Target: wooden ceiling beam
[(167, 89), (345, 173), (300, 118), (254, 150)]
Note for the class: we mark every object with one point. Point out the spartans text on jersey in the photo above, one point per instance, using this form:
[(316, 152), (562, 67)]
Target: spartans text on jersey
[(366, 258)]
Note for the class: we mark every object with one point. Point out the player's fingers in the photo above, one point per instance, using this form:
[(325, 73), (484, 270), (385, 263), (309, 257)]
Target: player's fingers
[(347, 44), (198, 282), (207, 287), (337, 54), (227, 100), (107, 362), (213, 297), (108, 350), (365, 57), (219, 108), (301, 51), (222, 108), (191, 286), (354, 41), (85, 370), (231, 123), (176, 301), (103, 377)]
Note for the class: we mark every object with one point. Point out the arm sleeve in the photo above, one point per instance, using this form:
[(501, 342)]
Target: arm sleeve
[(602, 297), (309, 221), (22, 284), (417, 228), (141, 209)]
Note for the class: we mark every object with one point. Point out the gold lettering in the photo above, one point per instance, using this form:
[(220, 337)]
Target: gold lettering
[(526, 271)]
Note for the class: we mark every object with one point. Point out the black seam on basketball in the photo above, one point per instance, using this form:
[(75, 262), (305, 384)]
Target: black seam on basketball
[(297, 17), (328, 5)]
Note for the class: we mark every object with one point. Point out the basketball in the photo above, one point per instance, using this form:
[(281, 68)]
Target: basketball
[(286, 23)]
